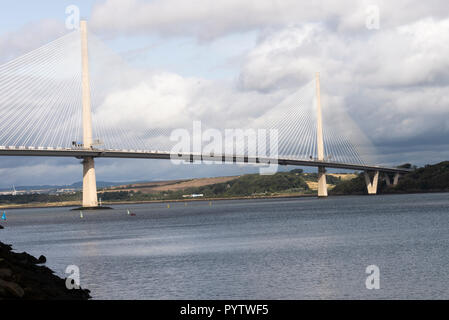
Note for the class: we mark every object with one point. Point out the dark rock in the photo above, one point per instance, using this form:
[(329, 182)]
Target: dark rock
[(41, 260), (12, 289), (22, 278), (6, 247), (1, 227), (24, 258), (5, 273)]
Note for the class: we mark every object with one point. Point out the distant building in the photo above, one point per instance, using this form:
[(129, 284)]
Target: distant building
[(193, 195)]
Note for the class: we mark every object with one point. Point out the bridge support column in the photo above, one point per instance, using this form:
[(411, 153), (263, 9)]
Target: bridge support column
[(372, 185), (387, 179), (89, 183), (396, 178), (322, 185)]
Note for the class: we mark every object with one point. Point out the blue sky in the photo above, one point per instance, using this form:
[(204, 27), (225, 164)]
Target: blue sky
[(184, 55), (16, 14), (246, 55)]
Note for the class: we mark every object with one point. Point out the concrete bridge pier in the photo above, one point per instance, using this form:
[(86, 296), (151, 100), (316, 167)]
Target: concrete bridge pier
[(395, 179), (397, 175), (387, 179), (371, 185), (322, 185), (89, 183)]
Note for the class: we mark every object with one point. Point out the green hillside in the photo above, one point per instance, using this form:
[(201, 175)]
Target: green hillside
[(251, 184), (430, 178)]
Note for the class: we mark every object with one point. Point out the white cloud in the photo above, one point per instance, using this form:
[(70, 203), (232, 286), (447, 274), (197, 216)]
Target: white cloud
[(392, 80), (205, 19), (410, 55), (160, 101)]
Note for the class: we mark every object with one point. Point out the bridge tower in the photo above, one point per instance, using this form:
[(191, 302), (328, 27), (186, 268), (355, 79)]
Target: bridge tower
[(322, 186), (89, 180)]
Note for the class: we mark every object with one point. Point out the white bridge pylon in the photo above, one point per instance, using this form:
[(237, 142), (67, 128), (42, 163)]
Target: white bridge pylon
[(90, 198), (48, 109), (322, 184)]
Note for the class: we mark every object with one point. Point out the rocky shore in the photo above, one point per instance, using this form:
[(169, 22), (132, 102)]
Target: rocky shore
[(23, 276)]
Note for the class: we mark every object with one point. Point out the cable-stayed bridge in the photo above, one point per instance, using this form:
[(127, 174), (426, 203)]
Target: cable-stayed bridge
[(74, 98)]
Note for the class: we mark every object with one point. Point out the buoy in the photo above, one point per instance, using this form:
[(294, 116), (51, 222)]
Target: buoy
[(81, 215), (210, 203), (130, 214), (4, 216), (168, 206)]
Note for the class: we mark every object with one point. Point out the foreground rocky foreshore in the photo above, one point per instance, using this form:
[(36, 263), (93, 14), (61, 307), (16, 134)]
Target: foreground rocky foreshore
[(22, 276)]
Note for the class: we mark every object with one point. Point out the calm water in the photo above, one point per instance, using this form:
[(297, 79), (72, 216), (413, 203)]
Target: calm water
[(258, 249)]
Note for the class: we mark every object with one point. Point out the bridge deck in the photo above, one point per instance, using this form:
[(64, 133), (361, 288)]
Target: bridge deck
[(145, 154)]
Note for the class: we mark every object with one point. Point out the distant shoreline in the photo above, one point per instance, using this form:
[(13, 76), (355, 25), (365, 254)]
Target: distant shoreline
[(109, 203), (280, 196)]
